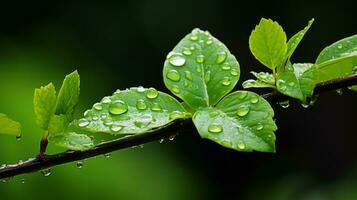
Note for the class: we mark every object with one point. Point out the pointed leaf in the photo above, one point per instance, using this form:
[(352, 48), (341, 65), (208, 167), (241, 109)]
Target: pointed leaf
[(72, 141), (44, 104), (242, 121), (9, 126), (131, 111), (295, 40), (338, 59), (200, 70), (267, 42), (68, 95)]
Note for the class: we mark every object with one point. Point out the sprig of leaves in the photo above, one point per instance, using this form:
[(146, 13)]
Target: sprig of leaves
[(54, 113), (200, 70)]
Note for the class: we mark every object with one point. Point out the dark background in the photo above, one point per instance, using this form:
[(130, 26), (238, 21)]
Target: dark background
[(118, 44)]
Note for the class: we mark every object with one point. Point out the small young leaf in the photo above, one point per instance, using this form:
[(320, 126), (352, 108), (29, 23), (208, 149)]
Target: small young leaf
[(267, 42), (242, 121), (9, 126), (200, 70), (297, 81), (338, 59), (44, 104), (68, 95), (131, 111), (295, 40), (250, 83), (71, 141)]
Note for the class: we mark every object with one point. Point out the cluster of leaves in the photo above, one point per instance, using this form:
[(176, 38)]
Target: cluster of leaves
[(200, 71), (269, 45)]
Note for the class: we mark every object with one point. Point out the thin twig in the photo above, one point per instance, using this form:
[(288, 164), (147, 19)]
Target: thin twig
[(43, 161)]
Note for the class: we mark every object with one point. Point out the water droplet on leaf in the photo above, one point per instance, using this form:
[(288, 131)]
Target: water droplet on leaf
[(79, 164), (175, 89), (226, 81), (118, 107), (242, 111), (140, 104), (152, 93), (188, 75), (177, 60), (116, 128), (46, 172), (173, 75), (221, 57), (215, 128), (83, 123), (200, 58)]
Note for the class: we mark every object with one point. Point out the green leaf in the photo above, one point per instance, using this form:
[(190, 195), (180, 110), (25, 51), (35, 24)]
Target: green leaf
[(200, 70), (295, 40), (9, 126), (72, 141), (131, 111), (44, 104), (242, 121), (58, 124), (267, 42), (68, 95), (338, 59), (297, 81), (251, 83)]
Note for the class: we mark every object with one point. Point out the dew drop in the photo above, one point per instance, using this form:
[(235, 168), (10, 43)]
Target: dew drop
[(23, 181), (108, 122), (305, 105), (155, 107), (339, 46), (19, 137), (254, 100), (221, 57), (185, 83), (242, 111), (339, 91), (291, 84), (198, 69), (172, 137), (177, 60), (226, 66), (140, 89), (192, 48), (118, 107), (241, 145), (176, 114), (116, 128), (83, 123), (188, 75), (260, 127), (140, 104), (175, 89), (152, 93), (107, 155), (284, 104), (234, 72), (209, 42), (79, 164), (207, 76), (226, 81), (106, 100), (215, 128), (46, 172), (194, 37), (95, 118), (161, 141), (200, 58), (173, 75), (187, 52), (213, 113)]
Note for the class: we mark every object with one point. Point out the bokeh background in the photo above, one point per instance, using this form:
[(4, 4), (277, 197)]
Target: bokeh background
[(119, 44)]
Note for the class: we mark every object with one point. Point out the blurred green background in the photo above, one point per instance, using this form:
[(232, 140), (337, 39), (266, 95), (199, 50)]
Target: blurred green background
[(119, 44)]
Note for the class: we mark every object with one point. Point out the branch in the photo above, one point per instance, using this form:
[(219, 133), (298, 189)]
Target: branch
[(43, 161)]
